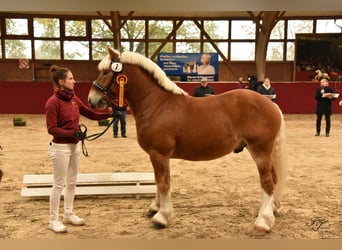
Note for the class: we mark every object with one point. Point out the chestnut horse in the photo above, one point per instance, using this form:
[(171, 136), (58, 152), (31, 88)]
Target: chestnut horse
[(172, 124)]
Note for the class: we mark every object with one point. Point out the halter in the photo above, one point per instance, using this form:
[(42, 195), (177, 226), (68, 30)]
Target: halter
[(116, 67), (105, 90)]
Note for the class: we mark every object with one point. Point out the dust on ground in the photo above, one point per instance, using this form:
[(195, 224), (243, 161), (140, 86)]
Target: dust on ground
[(216, 199)]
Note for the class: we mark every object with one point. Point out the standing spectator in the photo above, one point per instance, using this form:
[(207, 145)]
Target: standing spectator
[(323, 106), (119, 116), (63, 110), (204, 89), (240, 83), (267, 90)]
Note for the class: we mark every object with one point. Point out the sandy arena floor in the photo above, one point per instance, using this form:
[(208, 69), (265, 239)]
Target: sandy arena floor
[(217, 199)]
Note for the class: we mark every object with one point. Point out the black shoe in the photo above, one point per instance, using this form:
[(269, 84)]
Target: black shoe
[(124, 136), (317, 134), (115, 136)]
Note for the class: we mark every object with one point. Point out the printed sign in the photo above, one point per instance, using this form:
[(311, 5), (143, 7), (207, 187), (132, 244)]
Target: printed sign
[(24, 64), (190, 67)]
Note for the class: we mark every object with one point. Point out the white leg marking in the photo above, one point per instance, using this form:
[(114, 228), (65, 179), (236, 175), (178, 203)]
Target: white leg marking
[(265, 220), (156, 203), (165, 212)]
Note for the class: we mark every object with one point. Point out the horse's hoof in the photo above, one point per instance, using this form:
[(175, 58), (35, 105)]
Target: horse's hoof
[(159, 221), (158, 226), (238, 150), (263, 225), (151, 213), (259, 231)]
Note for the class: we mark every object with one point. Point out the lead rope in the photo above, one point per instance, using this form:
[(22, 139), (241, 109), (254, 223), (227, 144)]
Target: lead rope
[(83, 129)]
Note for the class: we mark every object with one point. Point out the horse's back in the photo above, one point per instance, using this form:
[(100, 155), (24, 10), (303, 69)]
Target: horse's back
[(251, 110), (245, 98), (239, 105)]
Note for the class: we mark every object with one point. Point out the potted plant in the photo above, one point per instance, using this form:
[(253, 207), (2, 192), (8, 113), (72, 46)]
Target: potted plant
[(104, 122), (19, 120)]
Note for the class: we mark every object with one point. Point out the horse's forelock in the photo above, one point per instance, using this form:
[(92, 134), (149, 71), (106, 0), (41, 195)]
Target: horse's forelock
[(155, 70), (105, 63), (107, 60)]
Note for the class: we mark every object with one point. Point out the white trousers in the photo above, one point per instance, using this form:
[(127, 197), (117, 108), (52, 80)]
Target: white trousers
[(65, 160)]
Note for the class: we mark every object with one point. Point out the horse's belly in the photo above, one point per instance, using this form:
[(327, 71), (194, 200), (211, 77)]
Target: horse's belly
[(196, 153)]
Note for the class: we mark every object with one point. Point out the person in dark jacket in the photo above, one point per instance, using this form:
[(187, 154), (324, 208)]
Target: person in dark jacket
[(267, 90), (323, 106), (119, 116), (204, 89)]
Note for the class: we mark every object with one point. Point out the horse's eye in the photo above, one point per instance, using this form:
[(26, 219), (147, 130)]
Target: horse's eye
[(105, 72)]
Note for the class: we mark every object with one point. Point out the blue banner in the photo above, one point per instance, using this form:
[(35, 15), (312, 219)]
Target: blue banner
[(190, 67)]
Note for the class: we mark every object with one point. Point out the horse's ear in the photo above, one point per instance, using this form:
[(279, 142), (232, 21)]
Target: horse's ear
[(112, 54)]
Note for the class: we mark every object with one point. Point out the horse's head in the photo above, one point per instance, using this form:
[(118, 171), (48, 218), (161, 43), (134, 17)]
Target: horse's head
[(111, 81), (104, 88), (252, 82)]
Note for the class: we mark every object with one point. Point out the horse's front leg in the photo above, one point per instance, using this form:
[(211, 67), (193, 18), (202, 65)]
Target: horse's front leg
[(161, 208)]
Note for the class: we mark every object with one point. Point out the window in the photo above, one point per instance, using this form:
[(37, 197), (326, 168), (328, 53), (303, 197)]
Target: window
[(86, 38), (243, 30), (154, 45), (99, 48), (275, 51), (278, 30), (75, 28), (329, 26), (159, 29), (18, 49), (217, 29), (223, 46), (47, 49), (46, 32), (133, 29), (188, 30), (242, 51), (290, 51), (188, 47), (133, 46), (16, 26), (99, 29), (46, 27), (76, 50), (299, 26)]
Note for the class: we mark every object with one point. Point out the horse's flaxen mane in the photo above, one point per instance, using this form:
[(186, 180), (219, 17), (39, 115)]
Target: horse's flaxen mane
[(147, 64)]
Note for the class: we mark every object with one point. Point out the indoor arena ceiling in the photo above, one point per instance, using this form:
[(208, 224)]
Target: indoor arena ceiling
[(176, 8), (189, 14)]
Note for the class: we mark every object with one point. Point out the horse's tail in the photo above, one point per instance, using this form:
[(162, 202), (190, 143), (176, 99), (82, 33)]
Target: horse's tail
[(279, 157)]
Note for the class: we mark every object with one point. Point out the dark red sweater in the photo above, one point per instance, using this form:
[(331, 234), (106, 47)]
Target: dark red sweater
[(63, 111)]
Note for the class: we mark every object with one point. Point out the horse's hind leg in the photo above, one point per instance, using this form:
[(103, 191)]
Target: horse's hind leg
[(240, 147), (161, 209), (265, 219)]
